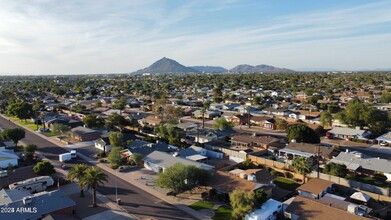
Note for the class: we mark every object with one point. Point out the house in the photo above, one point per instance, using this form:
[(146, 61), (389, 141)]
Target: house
[(208, 114), (268, 211), (35, 206), (325, 152), (255, 175), (8, 157), (348, 133), (278, 112), (308, 209), (224, 182), (84, 134), (241, 119), (206, 135), (103, 143), (385, 139), (315, 188), (359, 162), (144, 147), (159, 161), (247, 140), (150, 120), (194, 150)]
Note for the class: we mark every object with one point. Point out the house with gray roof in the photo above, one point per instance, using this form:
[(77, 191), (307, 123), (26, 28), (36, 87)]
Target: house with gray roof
[(348, 133), (159, 161), (355, 161), (385, 139), (35, 206), (84, 134), (8, 157)]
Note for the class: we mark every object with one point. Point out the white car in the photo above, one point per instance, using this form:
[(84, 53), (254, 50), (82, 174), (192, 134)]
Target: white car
[(383, 143)]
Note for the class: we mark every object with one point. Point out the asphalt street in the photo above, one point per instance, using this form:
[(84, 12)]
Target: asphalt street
[(134, 200)]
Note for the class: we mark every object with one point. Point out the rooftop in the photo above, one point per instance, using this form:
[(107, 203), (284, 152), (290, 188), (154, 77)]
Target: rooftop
[(354, 160), (315, 186), (312, 209)]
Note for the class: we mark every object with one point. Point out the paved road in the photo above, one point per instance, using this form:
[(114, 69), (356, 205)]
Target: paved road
[(135, 200)]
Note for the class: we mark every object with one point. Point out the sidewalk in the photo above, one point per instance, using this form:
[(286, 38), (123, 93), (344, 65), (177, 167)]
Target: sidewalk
[(171, 200)]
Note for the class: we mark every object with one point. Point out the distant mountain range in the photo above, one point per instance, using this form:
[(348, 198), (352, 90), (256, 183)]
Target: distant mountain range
[(166, 65), (259, 69), (210, 69)]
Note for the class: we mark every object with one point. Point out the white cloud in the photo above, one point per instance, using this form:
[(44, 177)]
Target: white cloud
[(122, 36)]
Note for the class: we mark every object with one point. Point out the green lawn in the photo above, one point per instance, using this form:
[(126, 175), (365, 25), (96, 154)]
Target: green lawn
[(49, 134), (223, 213), (201, 205), (286, 183)]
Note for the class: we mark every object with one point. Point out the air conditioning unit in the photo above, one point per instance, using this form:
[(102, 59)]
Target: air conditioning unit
[(27, 200)]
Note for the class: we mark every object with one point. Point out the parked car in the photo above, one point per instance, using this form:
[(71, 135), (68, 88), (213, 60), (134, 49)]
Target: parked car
[(44, 130), (383, 143)]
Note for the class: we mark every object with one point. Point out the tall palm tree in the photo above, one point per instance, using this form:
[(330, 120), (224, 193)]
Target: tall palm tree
[(93, 178), (203, 111), (248, 109), (302, 166), (77, 173)]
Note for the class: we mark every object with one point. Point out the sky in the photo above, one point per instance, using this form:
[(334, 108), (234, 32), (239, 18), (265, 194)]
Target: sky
[(122, 36)]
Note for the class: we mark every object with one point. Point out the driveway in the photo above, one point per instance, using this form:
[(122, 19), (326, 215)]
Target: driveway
[(86, 148)]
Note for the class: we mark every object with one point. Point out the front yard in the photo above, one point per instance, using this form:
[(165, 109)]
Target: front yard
[(201, 205), (223, 213)]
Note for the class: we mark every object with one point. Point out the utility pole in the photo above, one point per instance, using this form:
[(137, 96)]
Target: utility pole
[(318, 155)]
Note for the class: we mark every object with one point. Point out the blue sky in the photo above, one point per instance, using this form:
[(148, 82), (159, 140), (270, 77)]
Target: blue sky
[(96, 36)]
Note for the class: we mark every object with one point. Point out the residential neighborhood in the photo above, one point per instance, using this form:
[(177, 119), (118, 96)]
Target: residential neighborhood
[(201, 153)]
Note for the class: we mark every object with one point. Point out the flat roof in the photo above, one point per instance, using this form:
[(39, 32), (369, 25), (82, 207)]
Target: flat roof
[(266, 209), (196, 157), (296, 152)]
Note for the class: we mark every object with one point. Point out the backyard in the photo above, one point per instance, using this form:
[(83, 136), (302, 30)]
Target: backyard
[(286, 184)]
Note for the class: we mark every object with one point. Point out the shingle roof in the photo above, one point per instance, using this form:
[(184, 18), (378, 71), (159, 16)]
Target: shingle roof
[(311, 209), (347, 131), (44, 202), (315, 186), (356, 159)]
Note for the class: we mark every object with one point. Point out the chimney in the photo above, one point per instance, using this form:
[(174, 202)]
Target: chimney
[(254, 134)]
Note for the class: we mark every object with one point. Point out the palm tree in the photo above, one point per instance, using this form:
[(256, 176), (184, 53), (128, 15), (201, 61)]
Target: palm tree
[(302, 166), (77, 173), (248, 109), (203, 111), (93, 178)]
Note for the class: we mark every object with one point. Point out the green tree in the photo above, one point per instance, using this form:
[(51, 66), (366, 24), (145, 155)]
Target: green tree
[(136, 158), (116, 139), (79, 108), (77, 173), (242, 203), (120, 104), (335, 169), (60, 129), (260, 197), (114, 157), (29, 150), (14, 134), (116, 121), (168, 133), (281, 124), (302, 133), (302, 166), (385, 97), (222, 123), (180, 178), (22, 110), (326, 119), (93, 178), (93, 121), (44, 168)]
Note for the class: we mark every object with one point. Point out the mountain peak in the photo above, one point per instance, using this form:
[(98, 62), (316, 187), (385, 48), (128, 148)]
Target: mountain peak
[(167, 65)]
